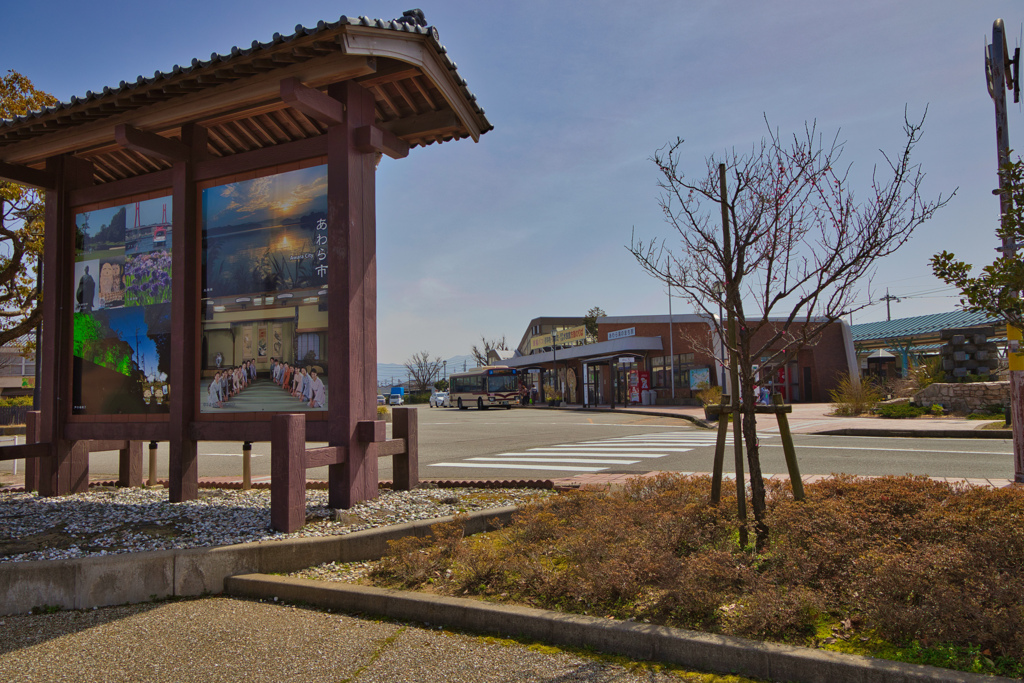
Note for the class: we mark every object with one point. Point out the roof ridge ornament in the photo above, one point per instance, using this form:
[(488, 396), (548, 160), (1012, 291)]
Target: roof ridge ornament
[(414, 17)]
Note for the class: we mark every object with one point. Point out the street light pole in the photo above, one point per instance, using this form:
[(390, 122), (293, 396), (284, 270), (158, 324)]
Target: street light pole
[(997, 61), (554, 365), (671, 347)]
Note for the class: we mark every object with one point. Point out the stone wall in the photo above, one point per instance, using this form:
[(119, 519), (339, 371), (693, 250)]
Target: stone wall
[(964, 398)]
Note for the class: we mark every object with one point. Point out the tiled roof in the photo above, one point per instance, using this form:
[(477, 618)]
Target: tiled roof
[(412, 22), (921, 325)]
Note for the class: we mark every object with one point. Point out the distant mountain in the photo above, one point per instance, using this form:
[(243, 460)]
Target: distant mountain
[(388, 373)]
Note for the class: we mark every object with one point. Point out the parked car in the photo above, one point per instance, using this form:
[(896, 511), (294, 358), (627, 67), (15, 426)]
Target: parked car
[(397, 400), (380, 400), (439, 399)]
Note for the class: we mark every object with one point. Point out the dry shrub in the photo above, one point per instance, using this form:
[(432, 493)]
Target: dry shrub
[(854, 397), (412, 562), (909, 558), (774, 612)]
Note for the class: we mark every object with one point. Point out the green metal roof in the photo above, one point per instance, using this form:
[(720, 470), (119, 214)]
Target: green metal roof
[(921, 324)]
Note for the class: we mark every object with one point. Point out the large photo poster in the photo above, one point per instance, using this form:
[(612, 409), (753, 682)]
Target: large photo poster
[(122, 311), (264, 322)]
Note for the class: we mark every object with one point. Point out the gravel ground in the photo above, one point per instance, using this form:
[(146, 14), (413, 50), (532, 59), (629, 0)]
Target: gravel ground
[(109, 520), (226, 639)]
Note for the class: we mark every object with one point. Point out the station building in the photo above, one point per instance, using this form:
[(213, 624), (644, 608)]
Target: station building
[(661, 359)]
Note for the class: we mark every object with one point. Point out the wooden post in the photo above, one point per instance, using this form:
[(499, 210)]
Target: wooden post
[(129, 471), (152, 464), (32, 422), (31, 464), (78, 467), (186, 257), (732, 296), (53, 355), (287, 471), (247, 465), (788, 449), (352, 298), (405, 425), (723, 430)]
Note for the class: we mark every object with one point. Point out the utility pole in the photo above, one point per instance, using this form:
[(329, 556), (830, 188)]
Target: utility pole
[(1001, 74), (887, 299), (671, 345)]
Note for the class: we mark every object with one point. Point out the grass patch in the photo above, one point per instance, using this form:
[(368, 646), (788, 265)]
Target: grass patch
[(903, 568)]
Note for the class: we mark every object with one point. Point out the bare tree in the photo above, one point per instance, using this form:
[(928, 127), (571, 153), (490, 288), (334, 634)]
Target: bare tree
[(795, 250), (422, 370), (480, 354)]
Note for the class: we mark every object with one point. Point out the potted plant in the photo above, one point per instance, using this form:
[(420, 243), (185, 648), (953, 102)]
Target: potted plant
[(710, 397)]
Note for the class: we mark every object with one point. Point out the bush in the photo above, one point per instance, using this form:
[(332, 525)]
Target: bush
[(901, 562), (854, 398), (12, 401), (709, 395), (899, 410)]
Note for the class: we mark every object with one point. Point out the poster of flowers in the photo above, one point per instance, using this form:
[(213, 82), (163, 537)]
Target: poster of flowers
[(122, 294)]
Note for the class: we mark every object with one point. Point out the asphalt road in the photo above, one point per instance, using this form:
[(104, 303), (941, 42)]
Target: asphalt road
[(541, 444)]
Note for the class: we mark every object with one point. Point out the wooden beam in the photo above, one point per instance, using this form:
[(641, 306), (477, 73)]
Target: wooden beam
[(150, 144), (266, 157), (424, 123), (376, 139), (23, 175), (312, 102), (116, 431), (116, 189), (27, 451), (254, 91), (321, 457)]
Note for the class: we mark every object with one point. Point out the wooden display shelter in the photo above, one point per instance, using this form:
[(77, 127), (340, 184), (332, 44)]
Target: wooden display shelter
[(339, 94)]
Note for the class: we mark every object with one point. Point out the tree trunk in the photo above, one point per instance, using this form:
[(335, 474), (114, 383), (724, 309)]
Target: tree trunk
[(757, 493)]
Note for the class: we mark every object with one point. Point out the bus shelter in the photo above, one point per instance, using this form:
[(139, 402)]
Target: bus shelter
[(209, 256)]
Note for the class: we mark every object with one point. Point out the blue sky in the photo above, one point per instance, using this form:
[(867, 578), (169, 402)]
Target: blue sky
[(581, 94)]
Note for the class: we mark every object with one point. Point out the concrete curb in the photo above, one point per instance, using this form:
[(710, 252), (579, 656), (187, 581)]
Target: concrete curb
[(702, 651), (89, 582), (921, 433), (680, 416)]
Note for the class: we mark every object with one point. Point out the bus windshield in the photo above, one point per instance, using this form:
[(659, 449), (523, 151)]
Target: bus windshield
[(502, 383)]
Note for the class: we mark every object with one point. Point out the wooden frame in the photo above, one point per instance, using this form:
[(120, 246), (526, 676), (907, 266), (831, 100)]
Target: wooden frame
[(291, 102)]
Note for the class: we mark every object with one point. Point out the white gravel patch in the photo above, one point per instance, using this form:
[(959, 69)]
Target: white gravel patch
[(108, 520)]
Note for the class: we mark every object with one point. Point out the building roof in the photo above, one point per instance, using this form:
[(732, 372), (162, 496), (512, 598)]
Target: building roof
[(420, 97), (920, 325)]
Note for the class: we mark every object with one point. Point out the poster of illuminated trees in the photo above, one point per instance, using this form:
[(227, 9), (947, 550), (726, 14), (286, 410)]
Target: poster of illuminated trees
[(264, 308), (122, 294)]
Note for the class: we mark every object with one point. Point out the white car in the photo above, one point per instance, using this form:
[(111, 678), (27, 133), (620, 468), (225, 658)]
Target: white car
[(396, 400), (440, 399)]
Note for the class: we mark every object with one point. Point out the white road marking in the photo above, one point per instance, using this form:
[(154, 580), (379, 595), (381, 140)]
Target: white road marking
[(930, 451), (587, 461), (512, 466), (607, 449), (585, 454)]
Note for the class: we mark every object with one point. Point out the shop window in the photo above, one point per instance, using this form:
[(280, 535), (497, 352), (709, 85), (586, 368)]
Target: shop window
[(659, 372)]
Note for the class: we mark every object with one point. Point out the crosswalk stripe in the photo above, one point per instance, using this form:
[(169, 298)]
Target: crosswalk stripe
[(588, 461), (513, 466), (586, 453), (606, 449)]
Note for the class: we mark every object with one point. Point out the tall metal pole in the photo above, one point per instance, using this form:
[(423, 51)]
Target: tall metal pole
[(997, 61), (731, 296), (671, 346)]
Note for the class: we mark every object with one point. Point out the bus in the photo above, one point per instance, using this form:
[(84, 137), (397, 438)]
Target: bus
[(485, 387)]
